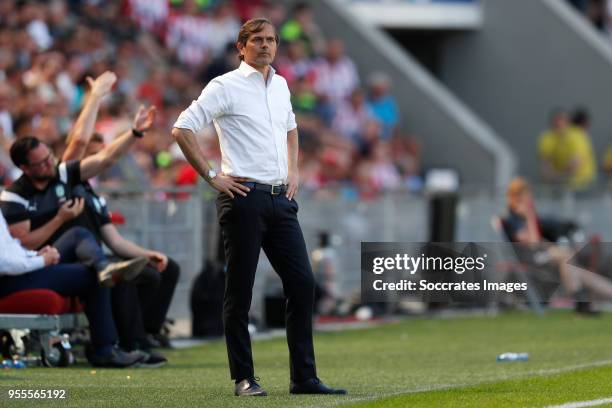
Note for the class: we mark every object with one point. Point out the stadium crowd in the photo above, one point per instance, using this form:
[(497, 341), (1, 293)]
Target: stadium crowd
[(163, 53)]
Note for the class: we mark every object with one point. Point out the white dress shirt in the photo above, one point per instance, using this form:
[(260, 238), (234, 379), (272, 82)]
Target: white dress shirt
[(252, 119), (15, 259)]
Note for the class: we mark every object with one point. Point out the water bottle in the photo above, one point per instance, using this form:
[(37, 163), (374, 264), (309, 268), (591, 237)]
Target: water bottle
[(12, 364), (505, 357)]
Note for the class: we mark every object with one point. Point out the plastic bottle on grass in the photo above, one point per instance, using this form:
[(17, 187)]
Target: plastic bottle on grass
[(12, 364), (506, 357)]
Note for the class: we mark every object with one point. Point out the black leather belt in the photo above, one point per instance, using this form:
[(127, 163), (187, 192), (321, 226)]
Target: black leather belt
[(268, 188)]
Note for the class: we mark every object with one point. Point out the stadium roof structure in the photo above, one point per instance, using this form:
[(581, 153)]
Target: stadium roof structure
[(419, 14)]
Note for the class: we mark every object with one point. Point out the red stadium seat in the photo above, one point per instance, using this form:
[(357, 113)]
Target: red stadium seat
[(117, 218), (38, 301), (46, 315)]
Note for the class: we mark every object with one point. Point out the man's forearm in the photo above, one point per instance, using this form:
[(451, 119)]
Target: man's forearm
[(292, 150), (128, 249), (93, 165), (118, 147), (83, 129), (188, 143), (36, 238), (119, 245)]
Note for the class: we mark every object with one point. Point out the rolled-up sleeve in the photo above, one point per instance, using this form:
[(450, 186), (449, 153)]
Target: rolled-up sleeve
[(212, 103), (291, 123)]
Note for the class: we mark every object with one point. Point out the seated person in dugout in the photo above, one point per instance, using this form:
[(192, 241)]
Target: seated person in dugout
[(522, 225), (139, 308), (22, 269)]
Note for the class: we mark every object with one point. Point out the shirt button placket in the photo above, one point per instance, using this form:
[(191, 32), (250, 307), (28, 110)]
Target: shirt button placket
[(269, 105)]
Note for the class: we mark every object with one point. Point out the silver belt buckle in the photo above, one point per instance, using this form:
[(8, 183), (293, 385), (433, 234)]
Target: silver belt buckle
[(277, 192)]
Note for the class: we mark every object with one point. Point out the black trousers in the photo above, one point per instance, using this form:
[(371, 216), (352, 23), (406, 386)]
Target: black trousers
[(262, 220), (140, 306)]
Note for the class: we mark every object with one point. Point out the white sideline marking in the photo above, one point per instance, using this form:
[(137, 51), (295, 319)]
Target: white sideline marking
[(440, 387), (580, 404)]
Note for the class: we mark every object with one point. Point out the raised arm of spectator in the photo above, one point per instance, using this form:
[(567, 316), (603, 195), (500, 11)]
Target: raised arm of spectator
[(94, 165), (81, 132)]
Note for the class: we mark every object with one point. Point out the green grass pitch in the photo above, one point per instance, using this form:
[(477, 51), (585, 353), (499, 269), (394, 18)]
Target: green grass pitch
[(418, 363)]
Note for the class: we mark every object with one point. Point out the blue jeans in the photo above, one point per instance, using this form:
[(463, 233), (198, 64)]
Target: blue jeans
[(79, 245)]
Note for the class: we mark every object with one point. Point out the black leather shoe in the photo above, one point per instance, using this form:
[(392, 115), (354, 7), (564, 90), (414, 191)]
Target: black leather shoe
[(585, 309), (313, 386), (116, 359), (151, 359), (249, 388)]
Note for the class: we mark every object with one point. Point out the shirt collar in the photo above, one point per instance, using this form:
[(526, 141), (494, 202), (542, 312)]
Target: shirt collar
[(248, 70)]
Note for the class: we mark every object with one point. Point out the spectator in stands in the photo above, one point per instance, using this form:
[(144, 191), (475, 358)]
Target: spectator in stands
[(187, 34), (566, 156), (152, 89), (352, 117), (295, 64), (581, 124), (303, 28), (303, 97), (382, 104), (7, 98), (151, 15), (195, 37), (222, 64), (377, 173), (406, 155), (247, 9), (225, 25), (7, 170), (335, 75), (21, 269), (607, 162)]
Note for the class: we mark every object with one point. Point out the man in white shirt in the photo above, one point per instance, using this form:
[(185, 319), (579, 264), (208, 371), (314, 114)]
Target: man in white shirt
[(251, 110), (21, 269)]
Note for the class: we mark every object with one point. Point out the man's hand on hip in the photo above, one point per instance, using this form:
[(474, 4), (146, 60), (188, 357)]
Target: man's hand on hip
[(293, 182), (229, 185)]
